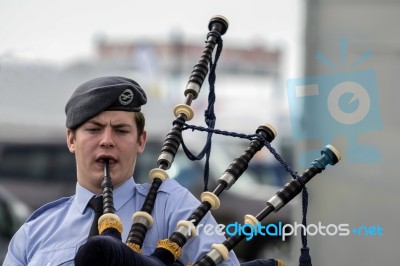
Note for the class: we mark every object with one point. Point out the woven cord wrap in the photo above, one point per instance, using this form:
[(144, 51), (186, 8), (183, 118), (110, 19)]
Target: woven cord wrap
[(210, 118), (305, 258), (209, 114)]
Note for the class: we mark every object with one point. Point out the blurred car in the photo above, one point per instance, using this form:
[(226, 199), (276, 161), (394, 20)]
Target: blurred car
[(40, 172), (13, 213)]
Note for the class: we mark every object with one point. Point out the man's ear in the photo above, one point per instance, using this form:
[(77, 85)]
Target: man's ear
[(142, 142), (71, 140)]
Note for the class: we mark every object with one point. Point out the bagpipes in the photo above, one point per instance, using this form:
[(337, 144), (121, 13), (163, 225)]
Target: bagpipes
[(108, 248)]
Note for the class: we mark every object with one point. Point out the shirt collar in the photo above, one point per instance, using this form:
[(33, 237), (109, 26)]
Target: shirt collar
[(121, 195)]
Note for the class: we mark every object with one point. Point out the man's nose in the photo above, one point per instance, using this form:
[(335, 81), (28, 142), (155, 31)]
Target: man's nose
[(107, 140)]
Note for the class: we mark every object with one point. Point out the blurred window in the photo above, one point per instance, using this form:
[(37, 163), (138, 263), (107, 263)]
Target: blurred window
[(5, 220), (37, 162)]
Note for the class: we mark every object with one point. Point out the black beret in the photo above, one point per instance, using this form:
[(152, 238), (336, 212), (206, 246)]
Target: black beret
[(101, 94)]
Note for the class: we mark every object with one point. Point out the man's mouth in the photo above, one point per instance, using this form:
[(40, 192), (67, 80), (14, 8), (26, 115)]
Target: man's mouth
[(111, 160)]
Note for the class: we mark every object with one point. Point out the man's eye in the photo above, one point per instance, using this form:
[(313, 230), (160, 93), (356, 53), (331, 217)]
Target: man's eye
[(121, 131), (93, 129)]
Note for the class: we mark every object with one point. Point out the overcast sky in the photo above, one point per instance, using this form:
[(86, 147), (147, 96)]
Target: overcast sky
[(62, 30)]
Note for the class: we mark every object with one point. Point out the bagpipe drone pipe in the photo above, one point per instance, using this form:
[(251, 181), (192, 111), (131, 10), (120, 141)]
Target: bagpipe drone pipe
[(108, 248)]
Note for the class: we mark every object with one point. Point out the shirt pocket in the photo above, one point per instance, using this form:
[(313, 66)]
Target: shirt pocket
[(55, 257)]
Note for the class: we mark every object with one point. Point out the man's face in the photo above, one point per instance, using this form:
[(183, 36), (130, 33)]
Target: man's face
[(109, 135)]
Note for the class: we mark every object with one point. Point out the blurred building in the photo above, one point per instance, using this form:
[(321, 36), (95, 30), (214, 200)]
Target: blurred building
[(248, 87), (177, 56), (353, 43)]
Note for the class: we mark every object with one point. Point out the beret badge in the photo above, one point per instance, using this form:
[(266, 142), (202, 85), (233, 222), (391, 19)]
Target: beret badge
[(126, 97)]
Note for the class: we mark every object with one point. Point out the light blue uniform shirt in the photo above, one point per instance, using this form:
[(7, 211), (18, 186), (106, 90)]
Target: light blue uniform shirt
[(54, 232)]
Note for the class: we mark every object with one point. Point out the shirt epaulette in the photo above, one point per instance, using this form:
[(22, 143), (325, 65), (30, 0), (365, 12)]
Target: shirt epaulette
[(46, 207), (168, 186)]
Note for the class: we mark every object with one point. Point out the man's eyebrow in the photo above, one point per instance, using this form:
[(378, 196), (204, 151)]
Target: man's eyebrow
[(119, 125), (96, 123), (116, 125)]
